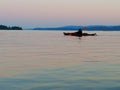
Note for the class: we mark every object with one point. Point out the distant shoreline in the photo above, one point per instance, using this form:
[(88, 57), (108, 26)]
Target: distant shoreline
[(4, 27), (88, 28)]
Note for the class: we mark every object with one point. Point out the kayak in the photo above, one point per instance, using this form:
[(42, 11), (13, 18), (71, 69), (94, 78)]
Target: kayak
[(74, 34), (87, 34)]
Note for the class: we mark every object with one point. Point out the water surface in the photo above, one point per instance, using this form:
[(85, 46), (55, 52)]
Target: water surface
[(48, 60)]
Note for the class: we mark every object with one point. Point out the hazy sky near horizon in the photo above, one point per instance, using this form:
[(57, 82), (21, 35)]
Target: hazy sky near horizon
[(47, 13)]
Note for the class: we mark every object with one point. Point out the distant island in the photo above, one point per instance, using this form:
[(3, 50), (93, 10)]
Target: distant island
[(3, 27), (91, 27)]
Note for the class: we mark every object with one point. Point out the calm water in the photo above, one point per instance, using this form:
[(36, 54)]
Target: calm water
[(48, 60)]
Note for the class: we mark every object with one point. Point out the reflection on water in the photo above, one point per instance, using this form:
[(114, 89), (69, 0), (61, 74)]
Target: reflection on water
[(93, 76), (47, 60)]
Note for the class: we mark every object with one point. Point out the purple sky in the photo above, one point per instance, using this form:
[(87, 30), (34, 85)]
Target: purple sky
[(48, 13)]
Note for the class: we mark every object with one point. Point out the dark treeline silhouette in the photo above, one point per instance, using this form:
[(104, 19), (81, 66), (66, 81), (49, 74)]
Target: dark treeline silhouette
[(3, 27)]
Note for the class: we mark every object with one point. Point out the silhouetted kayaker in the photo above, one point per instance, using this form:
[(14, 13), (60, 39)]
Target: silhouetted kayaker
[(79, 32)]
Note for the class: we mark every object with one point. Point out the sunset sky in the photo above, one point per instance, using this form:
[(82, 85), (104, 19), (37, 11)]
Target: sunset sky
[(49, 13)]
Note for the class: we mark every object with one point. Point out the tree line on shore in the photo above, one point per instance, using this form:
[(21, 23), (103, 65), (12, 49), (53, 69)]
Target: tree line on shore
[(4, 27)]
